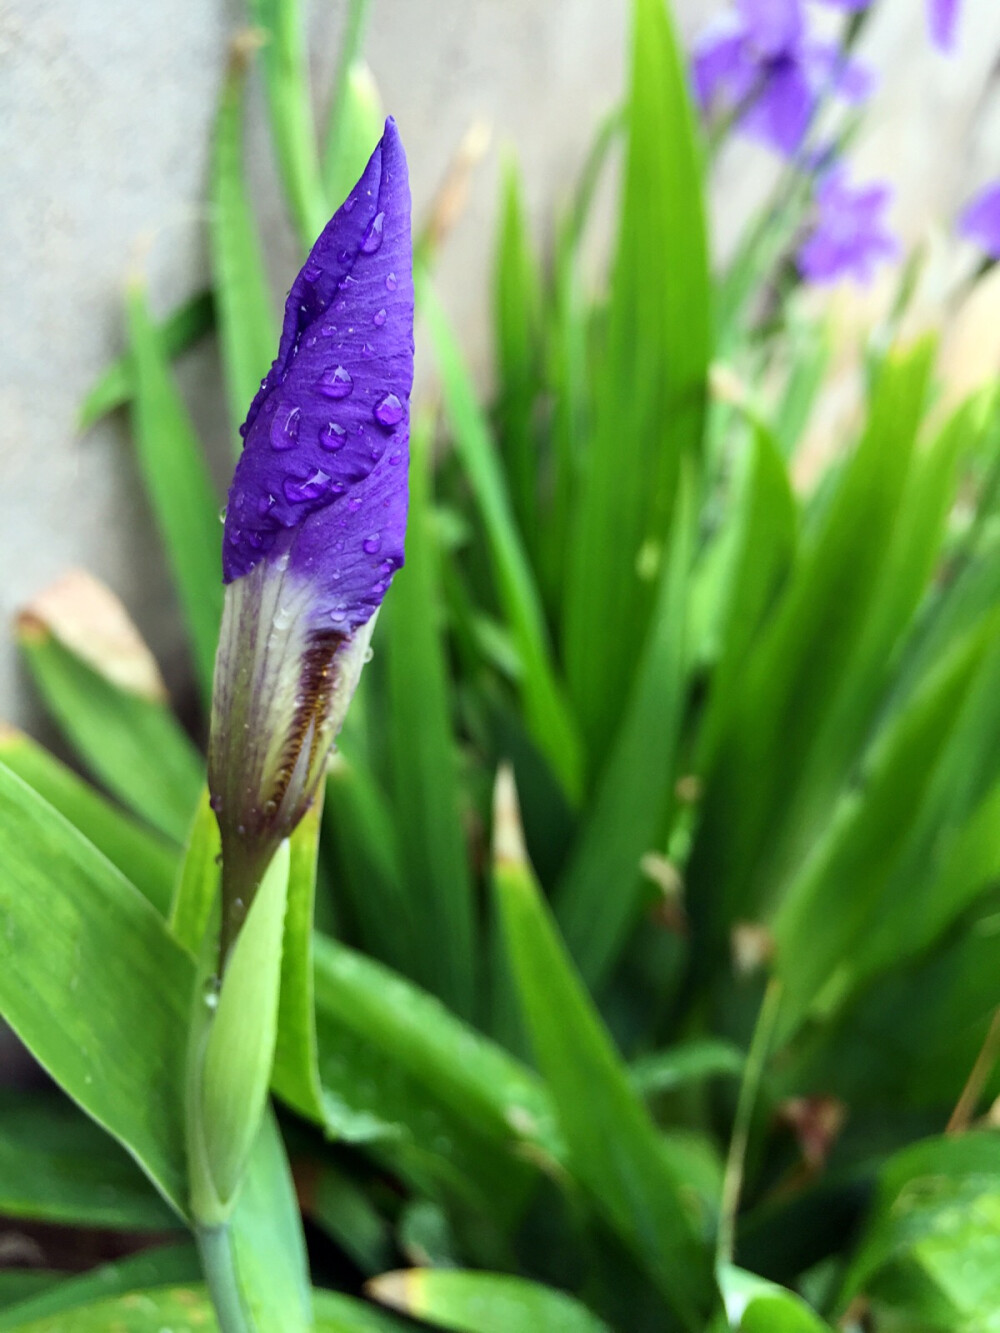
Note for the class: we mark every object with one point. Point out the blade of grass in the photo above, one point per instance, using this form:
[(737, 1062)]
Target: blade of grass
[(179, 489), (474, 1302), (355, 120)]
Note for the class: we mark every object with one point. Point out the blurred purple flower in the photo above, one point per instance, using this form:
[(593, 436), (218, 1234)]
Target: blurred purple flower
[(942, 19), (980, 220), (849, 237), (759, 62), (316, 516)]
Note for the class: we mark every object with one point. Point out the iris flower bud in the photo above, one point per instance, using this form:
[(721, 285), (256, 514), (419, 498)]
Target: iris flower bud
[(314, 524)]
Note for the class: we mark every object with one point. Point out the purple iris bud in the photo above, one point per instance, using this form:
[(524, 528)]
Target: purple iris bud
[(980, 220), (759, 63), (316, 515), (848, 237), (942, 19)]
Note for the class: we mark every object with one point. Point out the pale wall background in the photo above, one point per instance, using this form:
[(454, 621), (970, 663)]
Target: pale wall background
[(105, 110)]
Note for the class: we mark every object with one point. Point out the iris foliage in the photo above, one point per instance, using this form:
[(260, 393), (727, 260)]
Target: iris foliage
[(658, 864)]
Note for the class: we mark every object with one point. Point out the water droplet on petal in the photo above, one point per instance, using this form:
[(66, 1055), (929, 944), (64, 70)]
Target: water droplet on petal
[(344, 256), (373, 236), (378, 319), (297, 491), (285, 429), (311, 271), (332, 437), (354, 504), (390, 282), (265, 504), (222, 514), (328, 330), (373, 544), (210, 993), (336, 383), (349, 202), (367, 351), (369, 653), (395, 458), (389, 412), (338, 614)]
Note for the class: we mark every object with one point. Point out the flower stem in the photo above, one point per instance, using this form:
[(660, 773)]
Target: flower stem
[(215, 1247)]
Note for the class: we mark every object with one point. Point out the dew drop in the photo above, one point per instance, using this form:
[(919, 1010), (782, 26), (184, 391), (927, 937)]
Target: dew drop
[(298, 491), (311, 271), (367, 351), (390, 282), (378, 319), (395, 458), (210, 993), (354, 504), (222, 514), (373, 236), (338, 614), (336, 383), (369, 653), (373, 544), (328, 330), (265, 504), (285, 429), (344, 256), (389, 412), (333, 437), (349, 202), (312, 340)]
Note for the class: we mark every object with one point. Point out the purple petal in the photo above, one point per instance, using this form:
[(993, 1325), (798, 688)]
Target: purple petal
[(980, 220), (318, 427), (849, 237), (942, 19), (775, 27), (854, 6), (780, 115), (723, 65)]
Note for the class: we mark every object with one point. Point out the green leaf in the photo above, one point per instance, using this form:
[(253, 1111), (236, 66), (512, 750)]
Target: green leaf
[(343, 1209), (295, 1077), (341, 1314), (809, 689), (443, 1105), (142, 856), (266, 1231), (931, 1248), (549, 720), (689, 1062), (235, 1070), (179, 487), (356, 115), (149, 1311), (179, 331), (426, 798), (167, 1265), (197, 887), (130, 741), (614, 1149), (649, 385), (57, 1166), (87, 969), (518, 322), (243, 301), (598, 899), (755, 1305), (286, 79), (474, 1302)]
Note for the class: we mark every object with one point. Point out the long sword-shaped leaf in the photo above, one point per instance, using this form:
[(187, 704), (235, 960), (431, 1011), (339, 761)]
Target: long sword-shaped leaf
[(180, 330), (424, 768), (483, 1302), (243, 301), (179, 488), (143, 857), (614, 1149), (286, 78), (549, 720), (93, 984), (650, 385)]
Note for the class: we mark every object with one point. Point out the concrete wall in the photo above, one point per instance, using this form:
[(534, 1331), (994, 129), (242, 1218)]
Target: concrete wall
[(105, 110)]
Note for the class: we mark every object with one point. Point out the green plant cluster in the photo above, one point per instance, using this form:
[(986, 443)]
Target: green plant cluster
[(658, 865)]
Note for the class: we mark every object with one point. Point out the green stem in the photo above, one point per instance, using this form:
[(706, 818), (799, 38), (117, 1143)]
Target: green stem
[(732, 1183), (215, 1246)]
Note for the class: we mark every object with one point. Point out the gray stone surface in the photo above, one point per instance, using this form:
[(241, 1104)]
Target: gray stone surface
[(105, 109)]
